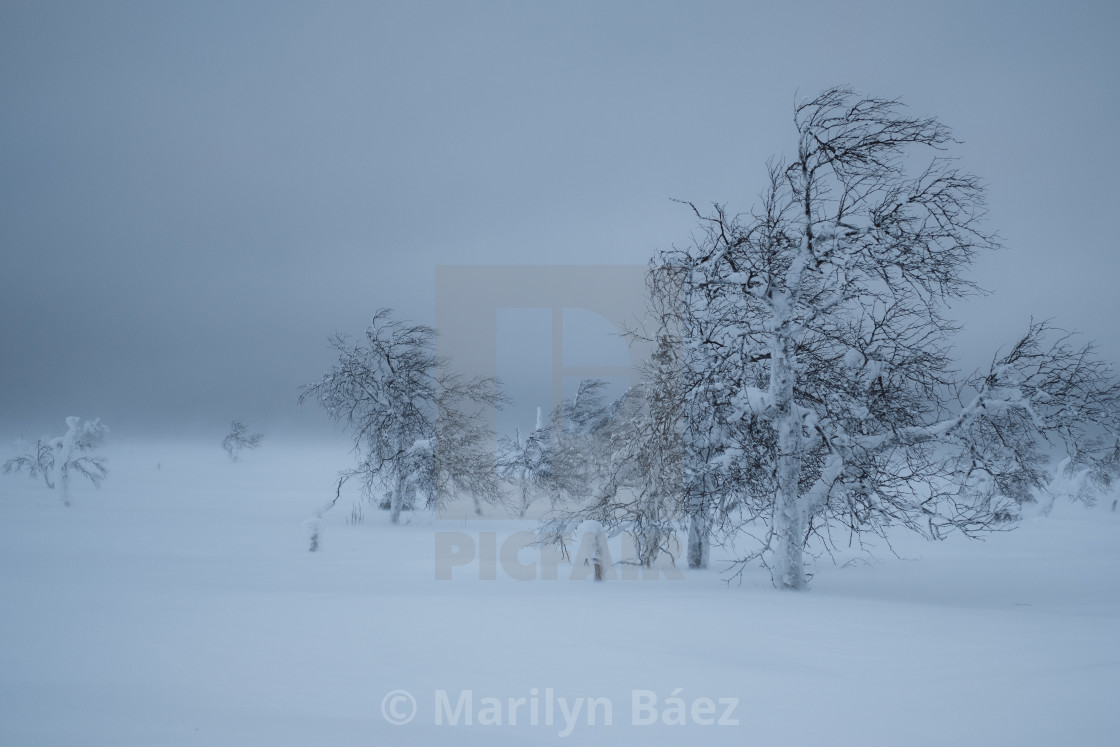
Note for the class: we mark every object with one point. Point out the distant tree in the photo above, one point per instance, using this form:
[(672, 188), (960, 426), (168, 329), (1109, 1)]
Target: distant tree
[(57, 459), (576, 430), (238, 439), (592, 550), (526, 461), (574, 461), (624, 471), (418, 428), (1104, 471), (1088, 475)]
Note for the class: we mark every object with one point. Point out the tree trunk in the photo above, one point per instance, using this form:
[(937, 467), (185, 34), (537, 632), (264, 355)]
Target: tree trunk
[(699, 534), (789, 514), (790, 520), (649, 529), (63, 482), (524, 496), (398, 501)]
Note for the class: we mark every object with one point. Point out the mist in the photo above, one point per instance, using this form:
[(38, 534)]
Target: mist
[(193, 197)]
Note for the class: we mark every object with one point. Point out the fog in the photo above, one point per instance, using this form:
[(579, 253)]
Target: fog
[(194, 196)]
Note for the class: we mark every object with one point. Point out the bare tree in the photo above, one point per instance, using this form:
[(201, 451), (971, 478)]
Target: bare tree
[(238, 439), (576, 459), (57, 459), (418, 427), (622, 460), (715, 460), (526, 461), (814, 348), (1087, 476)]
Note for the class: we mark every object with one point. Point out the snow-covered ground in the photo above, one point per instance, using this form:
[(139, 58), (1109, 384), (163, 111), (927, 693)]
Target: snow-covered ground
[(178, 605)]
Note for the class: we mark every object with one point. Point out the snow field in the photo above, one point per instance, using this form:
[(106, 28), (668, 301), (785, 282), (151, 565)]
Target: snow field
[(178, 605)]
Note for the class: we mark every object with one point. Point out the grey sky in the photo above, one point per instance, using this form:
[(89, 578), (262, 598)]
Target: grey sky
[(194, 195)]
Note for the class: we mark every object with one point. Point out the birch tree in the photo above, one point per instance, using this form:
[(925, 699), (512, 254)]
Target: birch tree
[(622, 460), (57, 460), (718, 459), (526, 461), (239, 438), (815, 345), (418, 427)]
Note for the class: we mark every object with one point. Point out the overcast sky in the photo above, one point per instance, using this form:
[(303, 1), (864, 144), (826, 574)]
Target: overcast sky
[(194, 195)]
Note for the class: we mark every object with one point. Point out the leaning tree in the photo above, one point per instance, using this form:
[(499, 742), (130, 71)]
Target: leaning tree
[(57, 460), (239, 438), (419, 428), (526, 461), (814, 348)]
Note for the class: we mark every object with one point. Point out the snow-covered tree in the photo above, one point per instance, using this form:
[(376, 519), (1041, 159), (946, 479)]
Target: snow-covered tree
[(418, 428), (1087, 476), (526, 461), (592, 550), (819, 393), (574, 459), (620, 462), (576, 456), (1103, 470), (238, 438), (56, 460), (713, 461)]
